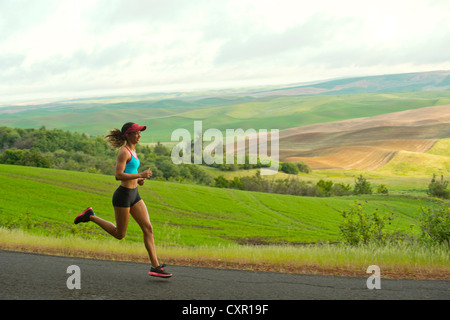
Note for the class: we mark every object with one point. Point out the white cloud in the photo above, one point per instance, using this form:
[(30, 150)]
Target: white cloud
[(55, 47)]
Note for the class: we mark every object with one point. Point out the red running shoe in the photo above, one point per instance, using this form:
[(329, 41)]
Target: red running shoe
[(84, 216), (159, 272)]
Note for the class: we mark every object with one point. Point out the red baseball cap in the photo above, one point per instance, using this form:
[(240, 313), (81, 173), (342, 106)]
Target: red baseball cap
[(135, 128)]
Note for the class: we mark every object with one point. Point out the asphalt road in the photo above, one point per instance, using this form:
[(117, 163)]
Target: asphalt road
[(32, 276)]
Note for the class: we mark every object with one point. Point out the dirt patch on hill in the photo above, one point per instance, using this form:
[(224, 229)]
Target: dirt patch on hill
[(364, 158), (365, 143), (367, 157)]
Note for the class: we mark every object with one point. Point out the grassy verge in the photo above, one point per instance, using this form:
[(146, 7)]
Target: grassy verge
[(394, 261)]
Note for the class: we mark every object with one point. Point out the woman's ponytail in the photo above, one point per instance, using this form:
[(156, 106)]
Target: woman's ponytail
[(116, 137)]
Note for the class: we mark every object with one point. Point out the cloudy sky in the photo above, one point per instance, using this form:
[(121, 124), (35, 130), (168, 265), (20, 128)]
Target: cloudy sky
[(67, 48)]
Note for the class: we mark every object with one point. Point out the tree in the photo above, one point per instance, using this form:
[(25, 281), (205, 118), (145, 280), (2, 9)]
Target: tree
[(289, 168), (325, 187), (8, 137), (221, 182), (438, 188), (362, 186), (341, 189), (34, 158), (31, 158), (162, 150), (13, 156), (169, 169), (303, 167)]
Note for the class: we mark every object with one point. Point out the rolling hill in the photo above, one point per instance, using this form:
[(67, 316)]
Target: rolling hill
[(258, 108), (434, 161), (366, 143)]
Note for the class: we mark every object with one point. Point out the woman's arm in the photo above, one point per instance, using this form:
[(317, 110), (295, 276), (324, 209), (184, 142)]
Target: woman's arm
[(122, 159)]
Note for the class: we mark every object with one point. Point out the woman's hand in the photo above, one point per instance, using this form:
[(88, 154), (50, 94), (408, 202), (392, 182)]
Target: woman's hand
[(146, 174), (141, 181)]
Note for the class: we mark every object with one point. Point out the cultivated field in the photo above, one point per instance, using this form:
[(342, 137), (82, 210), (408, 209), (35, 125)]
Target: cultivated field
[(366, 143)]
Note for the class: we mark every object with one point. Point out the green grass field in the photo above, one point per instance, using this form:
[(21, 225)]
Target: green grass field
[(182, 214)]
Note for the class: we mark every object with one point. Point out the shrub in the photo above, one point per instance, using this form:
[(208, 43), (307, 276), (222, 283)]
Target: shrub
[(289, 167), (359, 227), (303, 167), (325, 187), (438, 188), (435, 223), (362, 186), (382, 189), (221, 182), (341, 189)]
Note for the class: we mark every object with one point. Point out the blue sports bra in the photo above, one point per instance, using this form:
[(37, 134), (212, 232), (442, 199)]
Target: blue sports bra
[(132, 165)]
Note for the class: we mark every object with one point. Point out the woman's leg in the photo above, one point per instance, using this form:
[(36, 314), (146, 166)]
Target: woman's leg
[(119, 230), (140, 214)]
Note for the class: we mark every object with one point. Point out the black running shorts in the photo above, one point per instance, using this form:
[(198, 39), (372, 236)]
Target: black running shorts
[(125, 198)]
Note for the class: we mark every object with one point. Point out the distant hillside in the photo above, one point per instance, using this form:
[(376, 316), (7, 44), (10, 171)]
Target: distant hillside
[(264, 108), (407, 82)]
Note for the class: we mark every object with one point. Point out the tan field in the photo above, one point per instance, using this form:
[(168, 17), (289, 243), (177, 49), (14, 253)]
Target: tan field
[(366, 143), (360, 157)]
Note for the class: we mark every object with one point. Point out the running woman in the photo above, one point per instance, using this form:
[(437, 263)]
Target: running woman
[(126, 199)]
